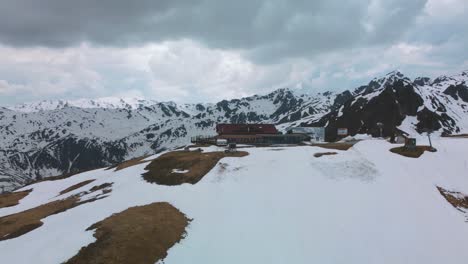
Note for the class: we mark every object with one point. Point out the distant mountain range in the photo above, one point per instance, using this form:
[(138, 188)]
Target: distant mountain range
[(54, 137)]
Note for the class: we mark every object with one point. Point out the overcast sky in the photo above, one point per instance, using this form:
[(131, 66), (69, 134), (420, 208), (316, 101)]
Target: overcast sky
[(204, 51)]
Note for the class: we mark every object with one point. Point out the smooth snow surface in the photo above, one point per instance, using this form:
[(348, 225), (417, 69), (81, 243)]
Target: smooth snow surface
[(281, 205)]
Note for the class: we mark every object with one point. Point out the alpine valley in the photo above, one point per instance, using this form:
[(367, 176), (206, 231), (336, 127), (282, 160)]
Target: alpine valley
[(51, 138)]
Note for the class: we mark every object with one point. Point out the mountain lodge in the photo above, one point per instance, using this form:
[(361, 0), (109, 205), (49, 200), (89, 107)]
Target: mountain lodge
[(253, 134)]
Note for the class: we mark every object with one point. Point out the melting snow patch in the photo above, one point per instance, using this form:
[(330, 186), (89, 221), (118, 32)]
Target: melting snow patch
[(179, 171)]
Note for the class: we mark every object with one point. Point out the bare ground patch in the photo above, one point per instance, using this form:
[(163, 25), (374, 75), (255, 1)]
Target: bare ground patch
[(192, 146), (18, 224), (138, 235), (105, 187), (167, 168), (12, 199), (76, 186), (416, 153), (456, 136), (456, 199), (337, 146), (320, 154)]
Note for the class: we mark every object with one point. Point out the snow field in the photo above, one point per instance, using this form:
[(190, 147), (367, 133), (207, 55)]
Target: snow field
[(364, 205)]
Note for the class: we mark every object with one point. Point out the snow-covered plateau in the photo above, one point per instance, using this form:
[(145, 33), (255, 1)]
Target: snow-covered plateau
[(279, 205)]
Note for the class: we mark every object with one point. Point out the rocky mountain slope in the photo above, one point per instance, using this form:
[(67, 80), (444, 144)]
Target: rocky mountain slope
[(54, 137), (411, 106)]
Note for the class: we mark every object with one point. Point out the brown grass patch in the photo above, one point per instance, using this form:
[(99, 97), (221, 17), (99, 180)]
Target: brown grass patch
[(138, 235), (198, 164), (320, 154), (456, 199), (21, 223), (105, 186), (128, 163), (12, 199), (76, 186), (337, 146), (18, 224), (416, 153), (194, 146), (456, 136)]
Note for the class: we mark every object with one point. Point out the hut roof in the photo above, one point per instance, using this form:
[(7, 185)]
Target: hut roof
[(245, 129)]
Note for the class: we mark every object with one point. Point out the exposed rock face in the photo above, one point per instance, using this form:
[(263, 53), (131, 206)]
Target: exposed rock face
[(458, 91), (54, 137)]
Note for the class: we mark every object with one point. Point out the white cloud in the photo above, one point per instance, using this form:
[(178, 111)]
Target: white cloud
[(187, 71), (179, 70), (445, 9), (40, 71)]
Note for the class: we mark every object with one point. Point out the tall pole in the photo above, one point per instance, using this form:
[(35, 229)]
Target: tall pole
[(380, 126), (429, 136)]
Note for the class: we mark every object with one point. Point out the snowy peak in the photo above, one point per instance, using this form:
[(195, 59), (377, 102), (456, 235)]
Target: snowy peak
[(392, 77), (422, 81), (461, 77), (395, 75), (443, 82), (378, 85)]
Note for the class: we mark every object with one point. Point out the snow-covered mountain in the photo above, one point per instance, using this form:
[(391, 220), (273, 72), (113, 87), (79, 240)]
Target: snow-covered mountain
[(54, 137), (400, 103), (51, 138), (105, 102)]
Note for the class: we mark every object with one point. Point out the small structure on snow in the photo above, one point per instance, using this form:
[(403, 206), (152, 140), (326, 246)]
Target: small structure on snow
[(410, 144), (316, 134), (342, 132), (221, 142)]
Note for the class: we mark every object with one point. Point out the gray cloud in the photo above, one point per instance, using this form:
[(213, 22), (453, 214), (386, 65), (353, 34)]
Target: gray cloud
[(268, 30), (206, 50)]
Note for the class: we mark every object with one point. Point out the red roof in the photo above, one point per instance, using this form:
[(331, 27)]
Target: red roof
[(245, 129)]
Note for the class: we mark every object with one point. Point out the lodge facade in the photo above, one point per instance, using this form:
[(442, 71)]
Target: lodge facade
[(252, 134)]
